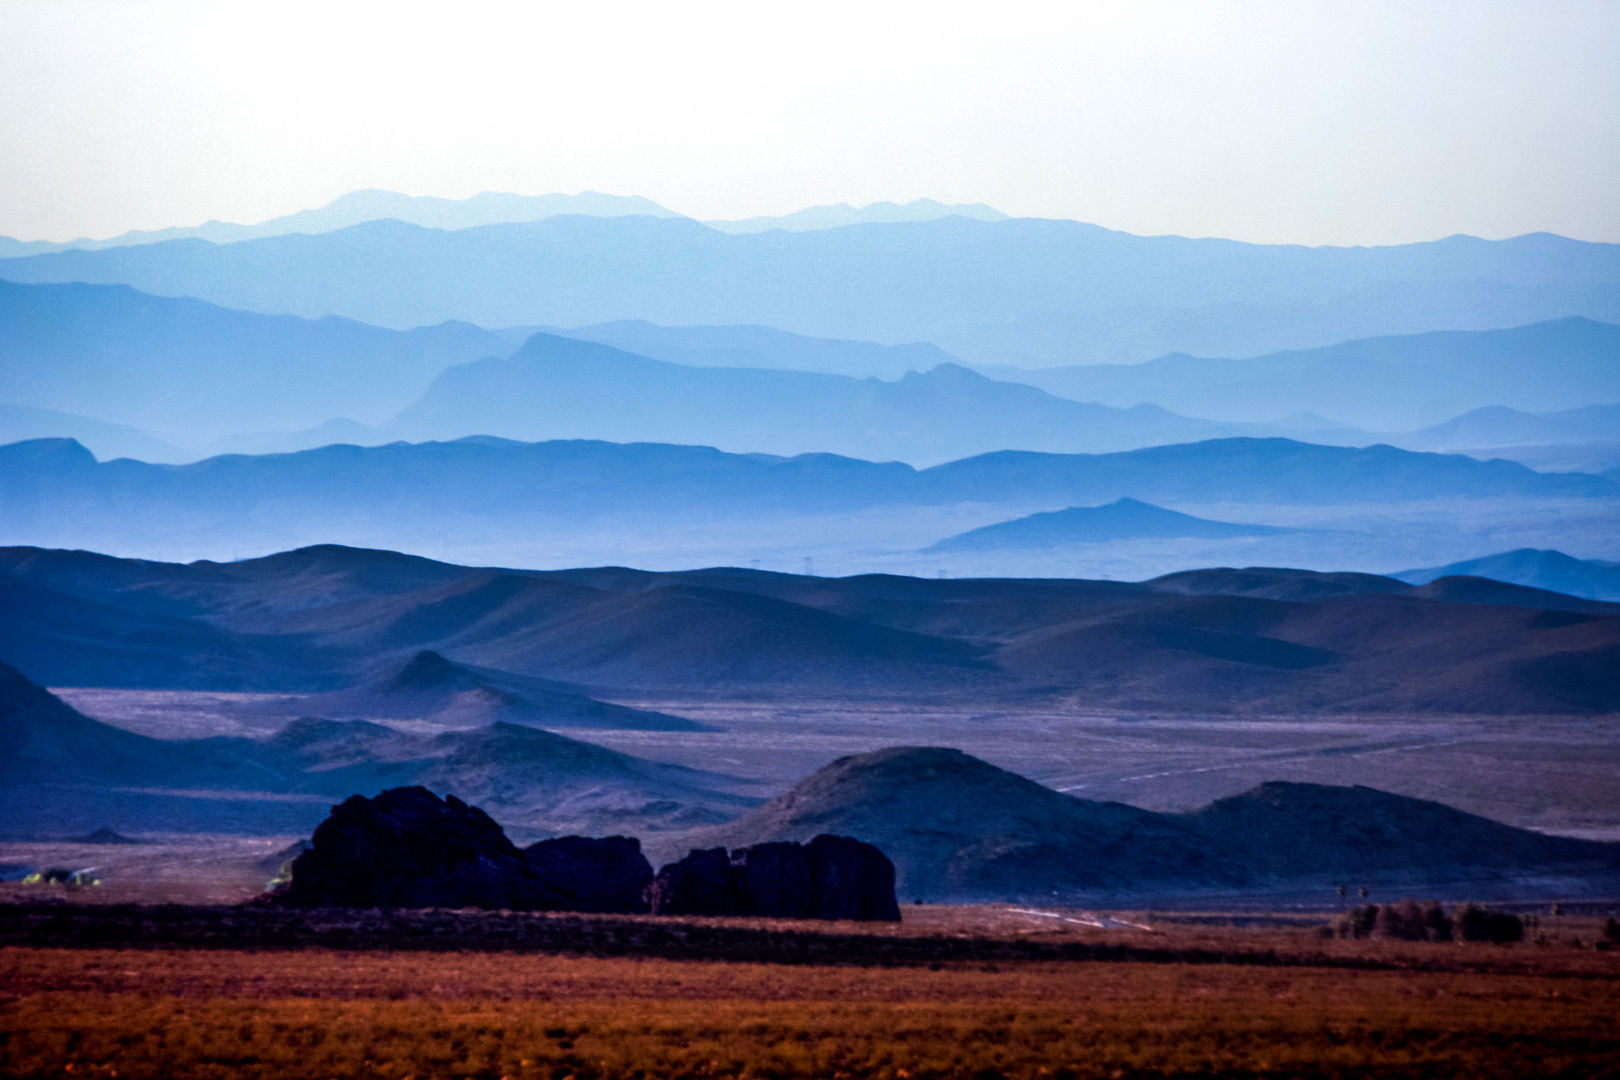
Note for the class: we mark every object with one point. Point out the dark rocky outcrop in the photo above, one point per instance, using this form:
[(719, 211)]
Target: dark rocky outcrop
[(408, 848), (609, 874), (775, 879), (833, 877), (851, 880)]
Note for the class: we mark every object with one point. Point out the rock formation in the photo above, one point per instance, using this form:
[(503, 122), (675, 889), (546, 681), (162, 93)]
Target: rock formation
[(607, 874), (833, 877), (409, 848)]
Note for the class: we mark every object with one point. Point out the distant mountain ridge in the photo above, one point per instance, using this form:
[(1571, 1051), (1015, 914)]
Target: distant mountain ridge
[(754, 347), (1385, 384), (103, 359), (116, 355), (499, 208), (1023, 291), (494, 487), (1499, 426), (358, 207), (555, 387)]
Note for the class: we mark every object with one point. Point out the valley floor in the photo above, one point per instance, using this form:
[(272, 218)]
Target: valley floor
[(1554, 774)]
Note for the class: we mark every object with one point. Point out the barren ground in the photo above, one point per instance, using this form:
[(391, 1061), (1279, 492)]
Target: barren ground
[(1411, 1009)]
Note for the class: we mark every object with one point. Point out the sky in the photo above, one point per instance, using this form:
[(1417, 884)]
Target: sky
[(1292, 122)]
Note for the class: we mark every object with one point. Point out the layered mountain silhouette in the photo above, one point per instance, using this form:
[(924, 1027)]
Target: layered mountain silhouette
[(1387, 384), (753, 347), (1551, 570), (116, 355), (357, 207), (59, 768), (1499, 426), (1122, 519), (55, 488), (961, 830), (20, 423), (322, 619), (563, 388), (1023, 291), (93, 362)]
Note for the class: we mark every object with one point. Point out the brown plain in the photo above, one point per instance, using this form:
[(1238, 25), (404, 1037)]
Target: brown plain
[(1543, 1009)]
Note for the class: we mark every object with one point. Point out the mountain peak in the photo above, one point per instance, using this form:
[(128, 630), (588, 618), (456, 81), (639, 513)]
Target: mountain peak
[(429, 670)]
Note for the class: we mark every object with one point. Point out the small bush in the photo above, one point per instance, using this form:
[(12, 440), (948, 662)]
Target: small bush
[(1476, 922), (1410, 921), (1404, 921), (1358, 922), (1611, 929)]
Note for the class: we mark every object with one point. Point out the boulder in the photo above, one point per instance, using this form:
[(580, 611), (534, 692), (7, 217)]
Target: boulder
[(608, 874), (409, 848), (700, 884), (833, 877), (851, 880), (774, 879)]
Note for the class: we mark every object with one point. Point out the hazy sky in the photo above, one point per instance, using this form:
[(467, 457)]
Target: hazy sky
[(1356, 123)]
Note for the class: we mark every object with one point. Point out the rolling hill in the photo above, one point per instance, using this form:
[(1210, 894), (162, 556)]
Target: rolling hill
[(60, 769), (1024, 291), (961, 830), (1553, 570), (1222, 641), (1122, 519), (432, 690)]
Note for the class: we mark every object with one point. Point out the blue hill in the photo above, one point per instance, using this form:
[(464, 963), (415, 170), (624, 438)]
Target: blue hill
[(1123, 519)]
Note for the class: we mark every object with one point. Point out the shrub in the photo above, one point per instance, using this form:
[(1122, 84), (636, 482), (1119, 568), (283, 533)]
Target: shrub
[(1410, 921), (1476, 922), (1358, 922)]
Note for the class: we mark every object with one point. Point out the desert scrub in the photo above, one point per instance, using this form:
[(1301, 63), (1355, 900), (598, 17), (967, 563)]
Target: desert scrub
[(187, 1014)]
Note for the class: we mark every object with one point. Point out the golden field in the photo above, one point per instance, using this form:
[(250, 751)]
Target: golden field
[(1525, 1010)]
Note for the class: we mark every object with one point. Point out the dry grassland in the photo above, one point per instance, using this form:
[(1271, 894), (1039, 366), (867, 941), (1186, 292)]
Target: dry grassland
[(315, 1013)]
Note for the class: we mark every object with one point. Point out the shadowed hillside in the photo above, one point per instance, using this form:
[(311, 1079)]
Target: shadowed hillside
[(959, 829), (436, 691), (60, 769)]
